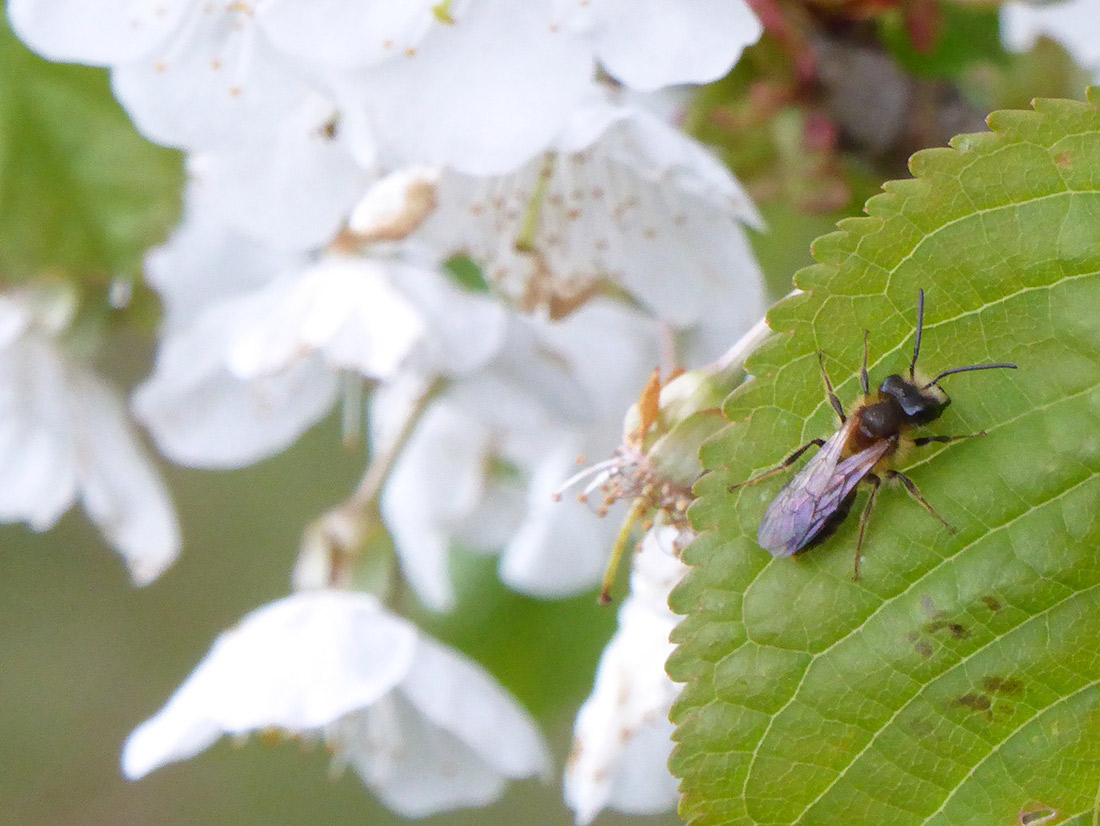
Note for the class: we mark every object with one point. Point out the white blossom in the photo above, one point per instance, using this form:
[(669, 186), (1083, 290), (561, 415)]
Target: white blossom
[(622, 740), (431, 76), (202, 414), (1073, 23), (654, 43), (104, 33), (191, 74), (478, 85), (482, 94), (483, 463), (624, 198), (205, 262), (241, 374), (289, 187), (353, 34), (426, 729), (64, 435)]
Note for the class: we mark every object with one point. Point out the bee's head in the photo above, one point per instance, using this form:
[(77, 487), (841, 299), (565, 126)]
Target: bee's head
[(920, 404), (923, 402)]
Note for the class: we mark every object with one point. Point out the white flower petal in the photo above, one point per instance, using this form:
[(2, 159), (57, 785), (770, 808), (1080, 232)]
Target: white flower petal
[(216, 81), (205, 262), (528, 385), (119, 486), (16, 318), (348, 33), (426, 728), (622, 736), (642, 783), (63, 434), (656, 151), (611, 350), (436, 482), (418, 769), (298, 664), (559, 548), (493, 523), (463, 699), (248, 374), (637, 203), (448, 737), (38, 477), (344, 308), (464, 330), (1075, 24), (100, 33), (202, 415), (503, 64), (500, 441), (291, 187), (648, 44)]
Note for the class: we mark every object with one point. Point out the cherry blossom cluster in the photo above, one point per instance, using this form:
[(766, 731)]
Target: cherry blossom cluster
[(340, 153)]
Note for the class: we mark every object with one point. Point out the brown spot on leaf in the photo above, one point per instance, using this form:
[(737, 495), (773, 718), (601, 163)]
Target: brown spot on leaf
[(922, 646), (992, 603), (975, 702), (957, 629), (1003, 685)]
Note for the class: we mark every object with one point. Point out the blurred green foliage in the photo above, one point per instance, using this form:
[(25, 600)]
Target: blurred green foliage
[(966, 35), (82, 195)]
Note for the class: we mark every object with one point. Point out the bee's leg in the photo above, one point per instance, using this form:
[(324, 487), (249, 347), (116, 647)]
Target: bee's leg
[(911, 487), (786, 463), (829, 392), (875, 482), (864, 381), (927, 440)]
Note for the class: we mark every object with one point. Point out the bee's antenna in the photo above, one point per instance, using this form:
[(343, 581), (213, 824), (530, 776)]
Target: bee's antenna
[(968, 369), (920, 329)]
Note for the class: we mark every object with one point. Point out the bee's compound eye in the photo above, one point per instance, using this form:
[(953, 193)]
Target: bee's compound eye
[(917, 405), (923, 409), (894, 386)]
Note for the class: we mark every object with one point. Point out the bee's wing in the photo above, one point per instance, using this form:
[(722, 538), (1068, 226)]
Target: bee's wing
[(801, 508)]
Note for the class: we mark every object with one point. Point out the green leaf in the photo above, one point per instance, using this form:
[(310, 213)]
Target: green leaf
[(81, 193), (959, 681)]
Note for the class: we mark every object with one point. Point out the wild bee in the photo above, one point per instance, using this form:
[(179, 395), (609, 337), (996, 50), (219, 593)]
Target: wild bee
[(816, 501)]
